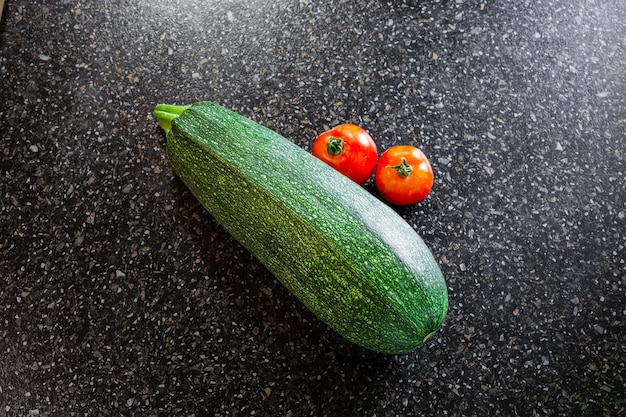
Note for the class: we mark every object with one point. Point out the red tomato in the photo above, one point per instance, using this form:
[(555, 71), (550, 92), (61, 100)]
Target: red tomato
[(349, 149), (404, 175)]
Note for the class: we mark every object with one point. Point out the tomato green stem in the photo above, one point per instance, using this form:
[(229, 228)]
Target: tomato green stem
[(404, 169), (334, 146), (165, 113)]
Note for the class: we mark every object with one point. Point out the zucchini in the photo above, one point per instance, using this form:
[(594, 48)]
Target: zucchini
[(352, 260)]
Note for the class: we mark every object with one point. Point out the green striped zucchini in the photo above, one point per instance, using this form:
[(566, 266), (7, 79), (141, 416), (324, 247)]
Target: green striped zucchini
[(352, 260)]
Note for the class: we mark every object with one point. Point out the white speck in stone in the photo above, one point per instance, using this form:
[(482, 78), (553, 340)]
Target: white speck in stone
[(34, 412), (602, 94), (170, 51), (119, 274), (195, 75), (537, 35), (129, 402), (127, 189), (462, 267), (559, 147), (230, 16), (34, 148), (44, 57)]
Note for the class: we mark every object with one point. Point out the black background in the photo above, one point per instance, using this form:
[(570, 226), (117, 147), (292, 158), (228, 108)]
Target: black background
[(120, 295)]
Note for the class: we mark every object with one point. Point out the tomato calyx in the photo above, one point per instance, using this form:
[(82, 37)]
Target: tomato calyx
[(403, 169), (334, 146)]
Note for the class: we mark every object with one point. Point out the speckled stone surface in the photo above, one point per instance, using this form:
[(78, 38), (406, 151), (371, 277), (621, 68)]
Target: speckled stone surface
[(121, 296)]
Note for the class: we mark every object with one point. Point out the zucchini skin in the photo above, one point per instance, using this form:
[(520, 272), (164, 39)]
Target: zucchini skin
[(347, 256)]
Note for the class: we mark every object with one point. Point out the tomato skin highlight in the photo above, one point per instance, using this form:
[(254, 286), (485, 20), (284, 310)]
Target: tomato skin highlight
[(349, 149), (404, 175)]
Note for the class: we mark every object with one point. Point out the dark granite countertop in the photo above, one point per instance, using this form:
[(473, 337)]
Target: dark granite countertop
[(121, 296)]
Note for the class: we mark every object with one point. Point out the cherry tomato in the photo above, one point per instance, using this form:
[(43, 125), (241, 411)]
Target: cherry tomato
[(349, 149), (404, 175)]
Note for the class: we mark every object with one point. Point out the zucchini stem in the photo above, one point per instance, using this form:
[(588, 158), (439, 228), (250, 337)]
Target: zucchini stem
[(165, 113)]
